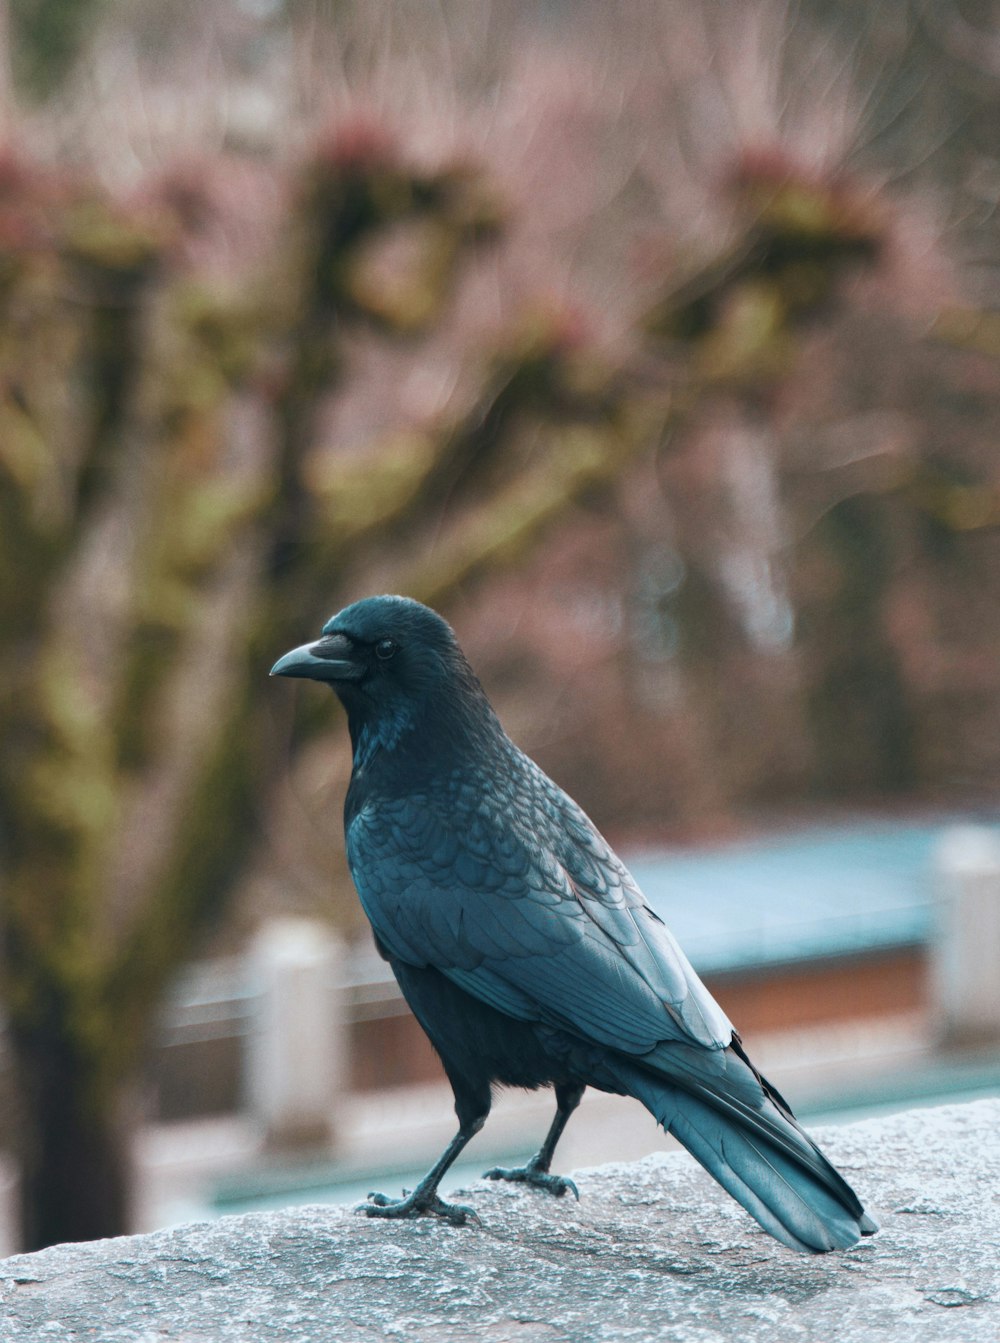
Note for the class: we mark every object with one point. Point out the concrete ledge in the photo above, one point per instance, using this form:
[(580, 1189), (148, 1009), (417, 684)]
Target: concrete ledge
[(653, 1250)]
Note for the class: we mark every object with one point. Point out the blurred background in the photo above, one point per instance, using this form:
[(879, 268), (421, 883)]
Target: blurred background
[(658, 345)]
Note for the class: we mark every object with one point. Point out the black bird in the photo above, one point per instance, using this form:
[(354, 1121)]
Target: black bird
[(523, 945)]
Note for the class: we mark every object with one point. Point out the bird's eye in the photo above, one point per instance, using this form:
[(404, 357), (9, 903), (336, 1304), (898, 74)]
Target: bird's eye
[(385, 648)]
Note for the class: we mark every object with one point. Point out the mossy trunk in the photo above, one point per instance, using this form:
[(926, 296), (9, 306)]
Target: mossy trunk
[(73, 1148)]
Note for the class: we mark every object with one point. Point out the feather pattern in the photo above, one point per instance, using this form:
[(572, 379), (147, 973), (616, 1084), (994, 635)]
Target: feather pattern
[(523, 944)]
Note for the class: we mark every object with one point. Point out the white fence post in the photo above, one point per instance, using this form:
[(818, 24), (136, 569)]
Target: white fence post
[(297, 1055), (965, 962)]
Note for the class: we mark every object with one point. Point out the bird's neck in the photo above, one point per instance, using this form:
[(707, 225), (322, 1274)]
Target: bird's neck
[(427, 739), (370, 736)]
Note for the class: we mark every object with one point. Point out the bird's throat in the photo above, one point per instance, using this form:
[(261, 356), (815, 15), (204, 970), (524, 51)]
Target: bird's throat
[(372, 735)]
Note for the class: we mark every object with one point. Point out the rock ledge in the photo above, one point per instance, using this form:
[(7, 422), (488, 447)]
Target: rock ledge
[(652, 1251)]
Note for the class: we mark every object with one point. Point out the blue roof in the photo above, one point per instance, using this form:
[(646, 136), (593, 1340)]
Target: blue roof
[(829, 890)]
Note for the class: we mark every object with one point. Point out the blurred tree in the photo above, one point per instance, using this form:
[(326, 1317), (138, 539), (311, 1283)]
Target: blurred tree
[(155, 555)]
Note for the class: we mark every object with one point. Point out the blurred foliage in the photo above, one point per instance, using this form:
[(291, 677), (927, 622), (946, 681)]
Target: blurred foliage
[(783, 268), (47, 38)]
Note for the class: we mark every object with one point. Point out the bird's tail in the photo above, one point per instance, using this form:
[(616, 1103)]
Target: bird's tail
[(747, 1138)]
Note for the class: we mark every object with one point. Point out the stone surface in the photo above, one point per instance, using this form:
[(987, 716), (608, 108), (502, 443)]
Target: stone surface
[(652, 1251)]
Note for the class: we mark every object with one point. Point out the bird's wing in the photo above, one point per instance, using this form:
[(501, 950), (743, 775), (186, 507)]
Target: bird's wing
[(555, 932)]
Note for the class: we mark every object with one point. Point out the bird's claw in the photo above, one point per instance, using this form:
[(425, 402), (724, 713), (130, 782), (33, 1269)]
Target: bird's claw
[(538, 1179), (413, 1205)]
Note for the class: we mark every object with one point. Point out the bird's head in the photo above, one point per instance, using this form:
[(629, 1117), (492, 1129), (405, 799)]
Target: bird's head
[(392, 662)]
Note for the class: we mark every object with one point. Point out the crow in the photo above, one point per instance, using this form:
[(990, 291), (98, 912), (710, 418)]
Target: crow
[(523, 945)]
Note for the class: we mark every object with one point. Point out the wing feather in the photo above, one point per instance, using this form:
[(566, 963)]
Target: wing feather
[(557, 932)]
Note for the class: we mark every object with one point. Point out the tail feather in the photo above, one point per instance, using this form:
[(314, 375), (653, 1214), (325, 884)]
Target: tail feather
[(786, 1200), (765, 1161)]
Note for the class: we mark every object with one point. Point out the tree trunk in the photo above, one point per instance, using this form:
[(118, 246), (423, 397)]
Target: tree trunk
[(73, 1146)]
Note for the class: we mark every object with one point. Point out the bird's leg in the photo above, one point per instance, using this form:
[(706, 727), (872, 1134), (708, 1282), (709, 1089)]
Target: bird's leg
[(425, 1200), (536, 1172)]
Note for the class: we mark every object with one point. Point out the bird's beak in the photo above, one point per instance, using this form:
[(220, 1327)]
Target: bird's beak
[(329, 659)]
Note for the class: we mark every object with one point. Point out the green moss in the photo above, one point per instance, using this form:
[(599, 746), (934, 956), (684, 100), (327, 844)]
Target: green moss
[(114, 243), (750, 340), (501, 533), (354, 497), (25, 457)]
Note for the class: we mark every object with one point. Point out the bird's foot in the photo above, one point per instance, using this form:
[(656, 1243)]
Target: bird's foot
[(537, 1178), (417, 1204)]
